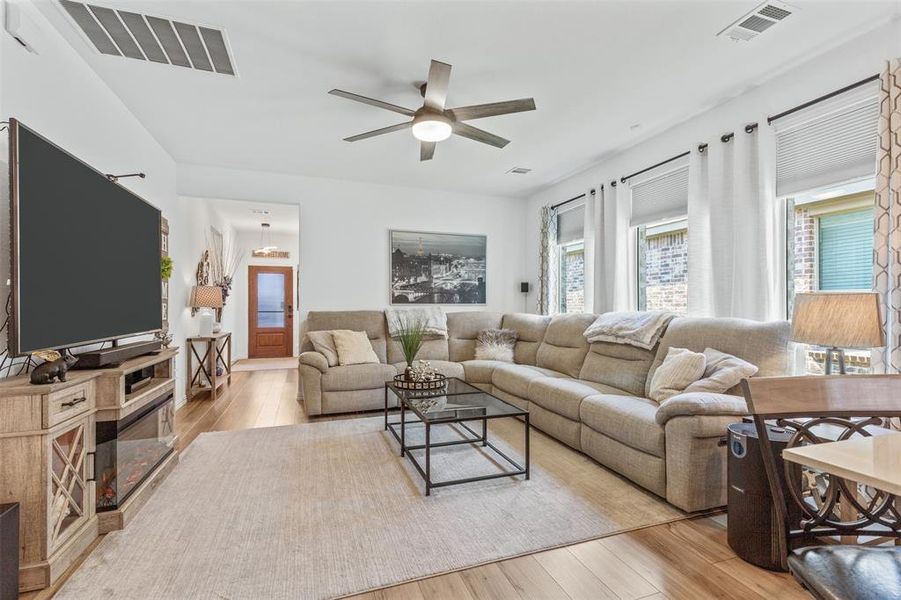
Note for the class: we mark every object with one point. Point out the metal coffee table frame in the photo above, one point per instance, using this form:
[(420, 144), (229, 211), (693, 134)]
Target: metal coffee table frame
[(404, 396)]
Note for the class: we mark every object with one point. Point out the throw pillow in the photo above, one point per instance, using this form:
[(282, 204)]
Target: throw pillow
[(679, 369), (324, 344), (496, 344), (723, 372), (353, 348)]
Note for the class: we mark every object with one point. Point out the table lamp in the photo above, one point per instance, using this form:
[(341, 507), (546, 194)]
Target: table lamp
[(838, 320), (205, 299)]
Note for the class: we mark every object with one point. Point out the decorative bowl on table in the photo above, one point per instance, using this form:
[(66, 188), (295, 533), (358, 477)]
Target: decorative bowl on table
[(420, 377), (436, 383)]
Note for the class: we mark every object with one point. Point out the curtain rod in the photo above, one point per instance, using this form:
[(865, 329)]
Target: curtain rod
[(823, 97), (660, 164), (752, 126), (579, 197), (727, 137)]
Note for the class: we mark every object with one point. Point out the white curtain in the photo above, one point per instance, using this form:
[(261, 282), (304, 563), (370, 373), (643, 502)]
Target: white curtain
[(736, 240), (700, 245), (592, 240), (615, 283)]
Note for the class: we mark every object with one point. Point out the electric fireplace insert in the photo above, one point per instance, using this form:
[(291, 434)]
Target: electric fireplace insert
[(130, 449)]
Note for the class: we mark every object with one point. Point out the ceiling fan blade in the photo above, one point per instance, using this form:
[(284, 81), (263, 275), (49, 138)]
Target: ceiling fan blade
[(468, 131), (436, 86), (372, 102), (382, 131), (427, 150), (480, 111)]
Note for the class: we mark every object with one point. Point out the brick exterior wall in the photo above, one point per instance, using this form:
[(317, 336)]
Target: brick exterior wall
[(573, 281), (804, 238), (664, 272)]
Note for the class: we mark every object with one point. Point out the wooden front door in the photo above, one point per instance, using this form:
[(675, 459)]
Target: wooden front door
[(271, 315)]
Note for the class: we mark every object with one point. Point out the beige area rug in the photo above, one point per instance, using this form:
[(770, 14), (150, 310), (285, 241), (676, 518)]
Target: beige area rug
[(326, 509), (265, 364)]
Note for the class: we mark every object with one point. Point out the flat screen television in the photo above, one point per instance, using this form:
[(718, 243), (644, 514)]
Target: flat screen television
[(85, 251)]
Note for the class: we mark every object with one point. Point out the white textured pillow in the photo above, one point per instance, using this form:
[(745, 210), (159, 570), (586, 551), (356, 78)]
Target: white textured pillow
[(353, 348), (496, 344), (679, 369), (495, 351), (723, 372), (324, 344)]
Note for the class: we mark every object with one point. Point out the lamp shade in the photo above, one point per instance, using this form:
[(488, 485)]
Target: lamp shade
[(838, 319), (206, 296)]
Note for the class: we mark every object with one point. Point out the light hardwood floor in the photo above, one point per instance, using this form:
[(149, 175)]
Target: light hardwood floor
[(684, 560)]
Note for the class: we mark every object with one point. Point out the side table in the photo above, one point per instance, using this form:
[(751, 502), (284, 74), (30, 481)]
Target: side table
[(217, 352)]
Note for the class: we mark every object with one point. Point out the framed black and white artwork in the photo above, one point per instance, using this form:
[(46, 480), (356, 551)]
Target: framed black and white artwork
[(437, 268)]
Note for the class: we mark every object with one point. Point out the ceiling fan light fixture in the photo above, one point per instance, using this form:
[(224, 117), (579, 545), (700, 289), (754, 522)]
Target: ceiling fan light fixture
[(431, 127), (434, 121)]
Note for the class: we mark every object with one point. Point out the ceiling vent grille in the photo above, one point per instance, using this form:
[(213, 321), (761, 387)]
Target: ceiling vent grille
[(142, 37), (757, 21), (519, 171)]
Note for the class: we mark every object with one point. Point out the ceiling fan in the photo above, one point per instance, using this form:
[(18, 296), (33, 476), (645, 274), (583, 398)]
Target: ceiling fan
[(433, 122)]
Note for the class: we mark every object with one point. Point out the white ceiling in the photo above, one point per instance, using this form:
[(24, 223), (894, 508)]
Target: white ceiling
[(244, 216), (594, 69)]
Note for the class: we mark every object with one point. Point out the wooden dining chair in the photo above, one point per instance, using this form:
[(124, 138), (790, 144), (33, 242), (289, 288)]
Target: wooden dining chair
[(813, 410)]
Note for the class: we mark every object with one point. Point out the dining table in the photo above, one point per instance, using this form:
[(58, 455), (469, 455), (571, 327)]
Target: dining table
[(873, 460)]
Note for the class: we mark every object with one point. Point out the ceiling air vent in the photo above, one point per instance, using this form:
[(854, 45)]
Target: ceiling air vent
[(142, 37), (519, 170), (757, 21)]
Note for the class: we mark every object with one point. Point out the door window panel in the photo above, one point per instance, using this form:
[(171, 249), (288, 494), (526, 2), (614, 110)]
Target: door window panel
[(270, 300)]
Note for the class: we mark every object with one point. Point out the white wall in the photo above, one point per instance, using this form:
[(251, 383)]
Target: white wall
[(239, 302), (845, 64), (344, 247), (55, 93)]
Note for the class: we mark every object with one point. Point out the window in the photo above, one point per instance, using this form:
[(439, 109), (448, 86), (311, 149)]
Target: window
[(659, 206), (572, 278), (845, 247), (831, 249), (663, 266)]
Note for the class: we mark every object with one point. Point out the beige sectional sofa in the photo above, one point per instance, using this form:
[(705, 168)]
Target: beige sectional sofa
[(591, 397)]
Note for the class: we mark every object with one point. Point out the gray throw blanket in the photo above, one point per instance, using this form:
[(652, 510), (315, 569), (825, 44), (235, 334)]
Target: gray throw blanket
[(640, 329), (432, 317)]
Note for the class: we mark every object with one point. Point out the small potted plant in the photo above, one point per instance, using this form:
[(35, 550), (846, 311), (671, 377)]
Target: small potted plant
[(410, 336), (165, 268)]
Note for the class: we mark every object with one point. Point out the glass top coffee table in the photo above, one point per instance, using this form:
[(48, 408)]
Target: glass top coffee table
[(456, 405)]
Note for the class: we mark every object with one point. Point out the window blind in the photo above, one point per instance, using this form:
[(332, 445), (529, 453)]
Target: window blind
[(831, 142), (571, 224), (846, 250), (661, 196)]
